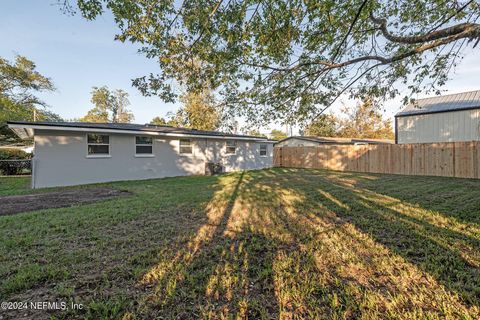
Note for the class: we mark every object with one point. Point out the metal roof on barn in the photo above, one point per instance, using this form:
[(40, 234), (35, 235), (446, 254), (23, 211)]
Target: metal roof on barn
[(445, 103)]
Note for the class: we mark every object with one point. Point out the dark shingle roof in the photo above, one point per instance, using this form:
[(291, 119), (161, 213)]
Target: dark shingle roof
[(450, 102), (134, 127)]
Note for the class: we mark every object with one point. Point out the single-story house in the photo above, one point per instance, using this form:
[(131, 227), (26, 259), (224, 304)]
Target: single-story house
[(72, 153), (313, 141), (448, 118)]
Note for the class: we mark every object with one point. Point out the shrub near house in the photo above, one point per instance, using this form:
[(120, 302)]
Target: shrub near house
[(14, 161)]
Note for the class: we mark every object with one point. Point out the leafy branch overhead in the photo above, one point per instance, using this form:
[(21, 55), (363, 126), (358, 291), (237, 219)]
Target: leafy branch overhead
[(290, 60)]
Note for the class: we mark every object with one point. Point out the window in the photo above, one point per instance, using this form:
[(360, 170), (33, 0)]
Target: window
[(231, 146), (98, 145), (186, 146), (263, 150), (143, 146)]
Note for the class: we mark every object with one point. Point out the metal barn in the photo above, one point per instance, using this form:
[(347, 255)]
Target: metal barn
[(448, 118)]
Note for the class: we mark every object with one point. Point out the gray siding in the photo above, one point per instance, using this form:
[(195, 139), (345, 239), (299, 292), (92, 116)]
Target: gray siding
[(61, 159), (439, 127)]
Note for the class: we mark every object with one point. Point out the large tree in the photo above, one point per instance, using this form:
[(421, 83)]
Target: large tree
[(110, 106), (326, 125), (199, 111), (278, 135), (20, 82), (289, 60), (159, 121), (365, 121)]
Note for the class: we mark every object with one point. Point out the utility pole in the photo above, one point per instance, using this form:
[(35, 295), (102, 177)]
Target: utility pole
[(34, 115)]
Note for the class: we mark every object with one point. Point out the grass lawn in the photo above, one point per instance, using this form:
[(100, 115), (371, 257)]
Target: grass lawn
[(280, 243)]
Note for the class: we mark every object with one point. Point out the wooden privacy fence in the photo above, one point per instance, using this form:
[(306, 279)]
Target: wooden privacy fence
[(451, 159)]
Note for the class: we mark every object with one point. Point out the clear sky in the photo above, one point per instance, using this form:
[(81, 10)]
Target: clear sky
[(78, 54)]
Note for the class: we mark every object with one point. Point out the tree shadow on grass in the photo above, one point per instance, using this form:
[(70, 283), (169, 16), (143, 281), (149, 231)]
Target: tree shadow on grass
[(452, 197), (294, 243), (221, 272), (449, 256)]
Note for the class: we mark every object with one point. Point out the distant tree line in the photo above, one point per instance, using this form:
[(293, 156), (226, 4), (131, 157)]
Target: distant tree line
[(365, 120)]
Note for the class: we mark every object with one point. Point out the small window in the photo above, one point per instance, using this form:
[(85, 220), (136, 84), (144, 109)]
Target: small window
[(263, 150), (186, 146), (231, 146), (98, 144), (143, 145)]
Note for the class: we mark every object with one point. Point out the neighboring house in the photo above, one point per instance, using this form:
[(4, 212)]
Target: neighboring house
[(448, 118), (312, 141), (72, 153)]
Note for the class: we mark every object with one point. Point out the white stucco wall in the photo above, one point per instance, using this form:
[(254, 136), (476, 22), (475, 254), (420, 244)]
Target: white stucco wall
[(61, 159), (439, 127)]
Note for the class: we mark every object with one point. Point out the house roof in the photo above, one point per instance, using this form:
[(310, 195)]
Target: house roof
[(25, 129), (445, 103), (331, 140)]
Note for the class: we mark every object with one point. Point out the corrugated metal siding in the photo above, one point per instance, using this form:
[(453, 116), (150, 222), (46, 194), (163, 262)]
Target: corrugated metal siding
[(440, 127)]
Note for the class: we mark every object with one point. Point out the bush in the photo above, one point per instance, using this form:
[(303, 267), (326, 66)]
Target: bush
[(14, 162), (14, 154), (15, 167)]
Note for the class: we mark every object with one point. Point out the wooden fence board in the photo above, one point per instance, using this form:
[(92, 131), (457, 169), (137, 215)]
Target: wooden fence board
[(450, 159)]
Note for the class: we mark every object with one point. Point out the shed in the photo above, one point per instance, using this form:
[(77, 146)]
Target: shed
[(447, 118)]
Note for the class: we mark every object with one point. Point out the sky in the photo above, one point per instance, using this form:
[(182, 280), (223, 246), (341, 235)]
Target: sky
[(78, 54)]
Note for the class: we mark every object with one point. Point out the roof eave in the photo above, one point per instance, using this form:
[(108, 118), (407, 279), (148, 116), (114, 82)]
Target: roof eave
[(420, 112), (29, 130), (22, 133)]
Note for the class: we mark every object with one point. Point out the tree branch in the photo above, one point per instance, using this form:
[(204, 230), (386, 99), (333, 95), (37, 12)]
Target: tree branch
[(468, 29), (349, 30)]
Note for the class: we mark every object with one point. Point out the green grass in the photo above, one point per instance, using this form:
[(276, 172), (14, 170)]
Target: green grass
[(12, 185), (280, 243)]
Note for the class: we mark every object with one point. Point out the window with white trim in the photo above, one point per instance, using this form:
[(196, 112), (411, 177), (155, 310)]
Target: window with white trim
[(231, 146), (263, 150), (98, 144), (185, 146), (143, 145)]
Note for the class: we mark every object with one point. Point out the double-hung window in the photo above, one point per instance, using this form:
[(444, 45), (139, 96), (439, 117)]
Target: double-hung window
[(98, 145), (143, 146), (231, 146), (263, 150), (185, 146)]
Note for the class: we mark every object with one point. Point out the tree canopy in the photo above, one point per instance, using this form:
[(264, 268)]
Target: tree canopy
[(278, 135), (365, 121), (289, 60), (326, 125), (20, 83), (110, 106), (256, 133), (159, 121), (199, 111)]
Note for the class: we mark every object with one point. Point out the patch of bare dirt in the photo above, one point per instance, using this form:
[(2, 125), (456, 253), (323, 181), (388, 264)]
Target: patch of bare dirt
[(61, 199)]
